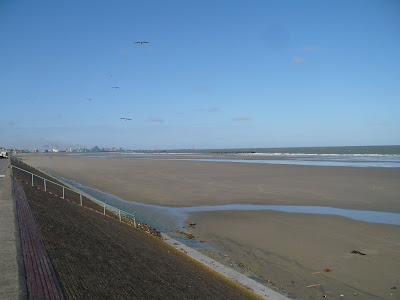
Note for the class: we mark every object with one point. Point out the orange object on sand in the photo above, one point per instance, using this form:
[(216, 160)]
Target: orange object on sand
[(327, 270)]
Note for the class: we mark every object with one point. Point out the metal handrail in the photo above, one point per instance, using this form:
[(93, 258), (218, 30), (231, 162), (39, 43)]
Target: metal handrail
[(80, 194)]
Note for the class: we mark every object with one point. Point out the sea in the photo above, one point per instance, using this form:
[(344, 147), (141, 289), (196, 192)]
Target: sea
[(343, 156)]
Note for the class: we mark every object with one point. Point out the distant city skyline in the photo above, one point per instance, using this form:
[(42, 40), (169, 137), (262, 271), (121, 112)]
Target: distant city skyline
[(214, 74)]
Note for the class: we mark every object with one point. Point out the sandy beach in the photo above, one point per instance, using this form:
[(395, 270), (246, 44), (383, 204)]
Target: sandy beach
[(292, 251), (284, 248)]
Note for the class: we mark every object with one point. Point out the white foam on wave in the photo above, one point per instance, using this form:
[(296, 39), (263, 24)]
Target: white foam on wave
[(162, 153), (316, 154)]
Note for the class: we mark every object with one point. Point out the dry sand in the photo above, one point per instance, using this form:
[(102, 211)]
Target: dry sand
[(284, 248)]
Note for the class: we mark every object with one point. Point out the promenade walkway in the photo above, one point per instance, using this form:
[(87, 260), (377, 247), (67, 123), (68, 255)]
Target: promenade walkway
[(41, 279), (12, 285)]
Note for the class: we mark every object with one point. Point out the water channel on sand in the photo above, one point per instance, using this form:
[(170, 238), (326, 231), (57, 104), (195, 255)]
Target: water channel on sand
[(168, 219)]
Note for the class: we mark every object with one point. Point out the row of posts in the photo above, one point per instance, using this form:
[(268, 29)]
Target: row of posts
[(80, 197)]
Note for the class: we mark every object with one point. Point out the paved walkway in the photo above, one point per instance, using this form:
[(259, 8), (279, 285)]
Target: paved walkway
[(41, 279), (12, 285)]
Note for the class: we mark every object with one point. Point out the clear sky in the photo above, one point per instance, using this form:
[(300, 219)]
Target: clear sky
[(215, 74)]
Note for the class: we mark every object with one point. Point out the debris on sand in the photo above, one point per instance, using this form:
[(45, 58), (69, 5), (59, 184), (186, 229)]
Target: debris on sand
[(142, 226), (327, 270), (313, 285), (357, 252), (184, 235)]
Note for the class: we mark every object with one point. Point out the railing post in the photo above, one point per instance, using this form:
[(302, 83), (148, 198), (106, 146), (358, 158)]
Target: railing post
[(80, 195)]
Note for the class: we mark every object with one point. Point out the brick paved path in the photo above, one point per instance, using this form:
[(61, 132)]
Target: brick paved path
[(41, 279)]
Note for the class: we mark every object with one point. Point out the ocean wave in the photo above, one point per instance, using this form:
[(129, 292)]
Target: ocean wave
[(316, 154), (163, 153), (261, 154)]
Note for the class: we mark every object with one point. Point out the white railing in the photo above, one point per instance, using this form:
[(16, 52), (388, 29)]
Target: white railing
[(109, 207)]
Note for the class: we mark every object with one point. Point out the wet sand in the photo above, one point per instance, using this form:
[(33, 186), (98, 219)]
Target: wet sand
[(285, 248)]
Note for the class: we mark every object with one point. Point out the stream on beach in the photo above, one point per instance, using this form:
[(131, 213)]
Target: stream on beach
[(168, 219)]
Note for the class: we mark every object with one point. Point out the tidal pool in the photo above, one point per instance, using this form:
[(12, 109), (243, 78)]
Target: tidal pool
[(168, 219)]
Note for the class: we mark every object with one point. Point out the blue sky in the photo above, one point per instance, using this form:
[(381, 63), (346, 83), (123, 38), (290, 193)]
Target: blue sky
[(215, 74)]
